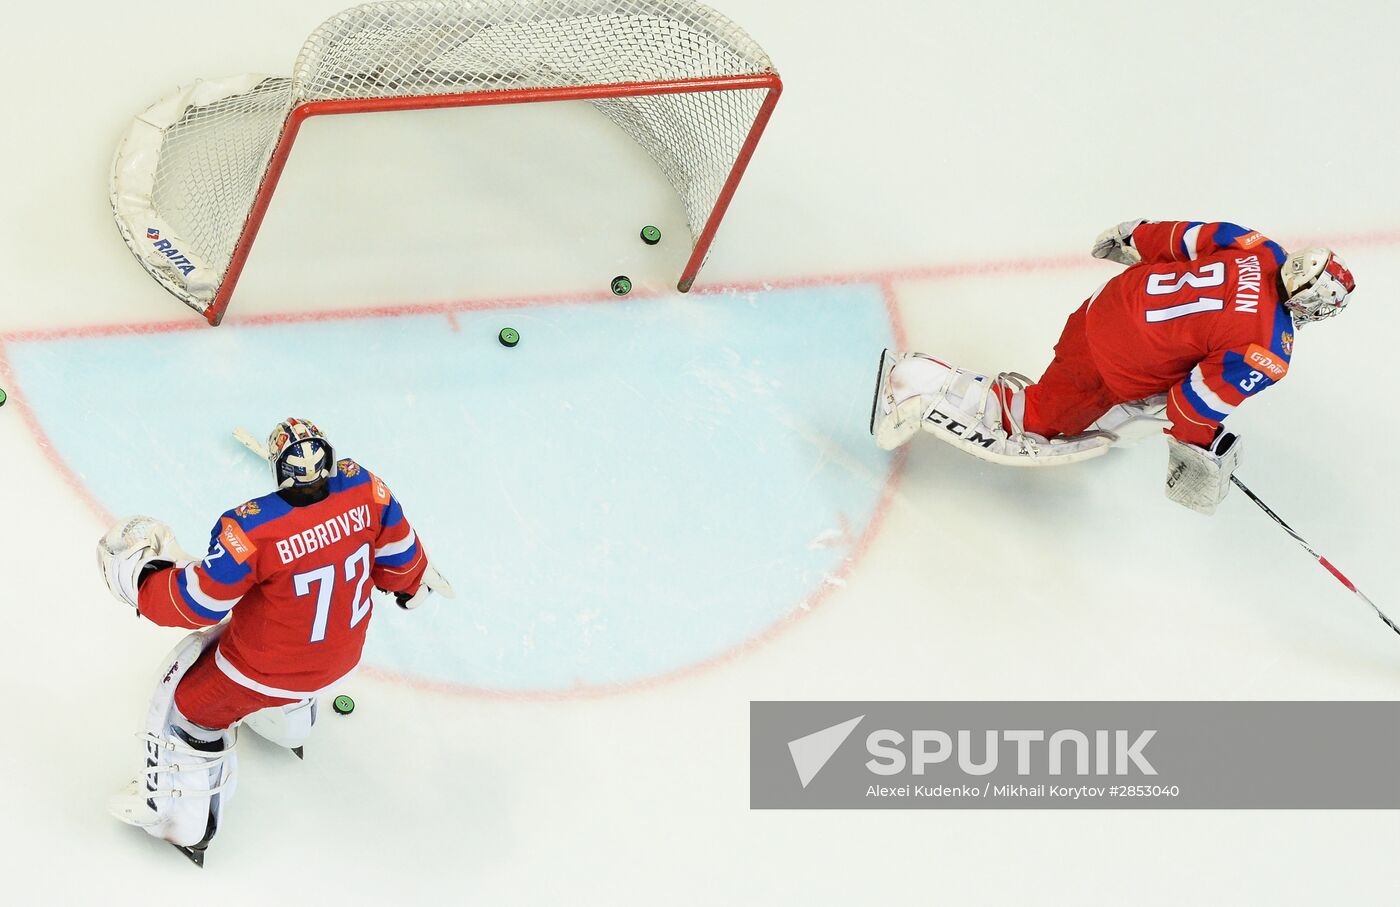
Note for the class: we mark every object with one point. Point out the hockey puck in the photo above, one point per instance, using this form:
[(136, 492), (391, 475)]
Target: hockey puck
[(651, 235), (343, 705), (621, 286), (3, 397), (508, 336)]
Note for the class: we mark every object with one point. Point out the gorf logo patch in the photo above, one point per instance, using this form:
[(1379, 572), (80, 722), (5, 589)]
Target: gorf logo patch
[(235, 542), (1266, 361), (249, 509), (1250, 240), (381, 491), (349, 468)]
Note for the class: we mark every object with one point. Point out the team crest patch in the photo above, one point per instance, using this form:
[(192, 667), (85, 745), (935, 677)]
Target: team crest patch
[(1286, 341), (246, 510), (349, 468)]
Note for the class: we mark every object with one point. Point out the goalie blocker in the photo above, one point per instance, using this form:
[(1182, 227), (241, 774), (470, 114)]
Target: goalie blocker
[(1199, 478)]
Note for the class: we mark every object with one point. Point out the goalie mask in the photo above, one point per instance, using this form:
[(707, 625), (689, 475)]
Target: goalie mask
[(300, 454), (1318, 284)]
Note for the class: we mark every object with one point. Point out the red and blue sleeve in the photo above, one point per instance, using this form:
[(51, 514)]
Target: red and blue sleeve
[(1202, 400), (1187, 240), (201, 593), (399, 558)]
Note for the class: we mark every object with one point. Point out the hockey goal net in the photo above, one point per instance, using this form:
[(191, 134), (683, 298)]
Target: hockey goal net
[(194, 174)]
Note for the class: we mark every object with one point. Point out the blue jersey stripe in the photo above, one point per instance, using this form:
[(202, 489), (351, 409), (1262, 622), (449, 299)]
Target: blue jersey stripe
[(183, 585), (268, 508), (1226, 234), (402, 559), (393, 514), (1244, 377), (1181, 244), (1199, 405), (1283, 324), (342, 481)]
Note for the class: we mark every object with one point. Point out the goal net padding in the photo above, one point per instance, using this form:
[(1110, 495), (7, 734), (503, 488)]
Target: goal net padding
[(194, 174)]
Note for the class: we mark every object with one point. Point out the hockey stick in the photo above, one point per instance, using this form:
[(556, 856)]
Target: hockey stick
[(245, 437), (1327, 565)]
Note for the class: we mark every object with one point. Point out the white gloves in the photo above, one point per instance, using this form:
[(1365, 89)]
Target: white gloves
[(131, 545), (433, 583), (1115, 243), (1199, 477)]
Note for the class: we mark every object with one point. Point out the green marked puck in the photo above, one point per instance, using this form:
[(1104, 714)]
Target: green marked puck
[(621, 286), (343, 705), (3, 397), (651, 235), (509, 337)]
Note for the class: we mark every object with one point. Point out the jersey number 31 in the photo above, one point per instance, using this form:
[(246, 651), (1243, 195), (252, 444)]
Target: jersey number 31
[(1169, 283)]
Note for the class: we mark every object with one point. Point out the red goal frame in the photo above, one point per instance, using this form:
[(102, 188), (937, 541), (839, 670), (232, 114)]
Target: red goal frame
[(214, 314)]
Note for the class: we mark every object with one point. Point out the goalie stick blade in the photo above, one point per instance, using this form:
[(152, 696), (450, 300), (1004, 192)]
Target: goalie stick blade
[(245, 437), (879, 385)]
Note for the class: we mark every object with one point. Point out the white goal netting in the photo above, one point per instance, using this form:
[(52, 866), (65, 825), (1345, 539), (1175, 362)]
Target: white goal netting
[(194, 171)]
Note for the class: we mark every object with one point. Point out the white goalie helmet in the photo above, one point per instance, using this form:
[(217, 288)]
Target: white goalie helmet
[(1318, 284), (299, 454)]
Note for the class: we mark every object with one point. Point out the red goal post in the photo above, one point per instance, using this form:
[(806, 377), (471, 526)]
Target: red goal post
[(193, 177)]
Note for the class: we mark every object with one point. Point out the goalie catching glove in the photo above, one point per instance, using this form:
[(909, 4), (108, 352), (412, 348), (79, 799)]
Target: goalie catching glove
[(129, 547), (433, 583), (1116, 243), (1199, 477)]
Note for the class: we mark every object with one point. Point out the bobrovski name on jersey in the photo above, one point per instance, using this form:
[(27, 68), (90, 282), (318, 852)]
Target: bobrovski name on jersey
[(328, 533)]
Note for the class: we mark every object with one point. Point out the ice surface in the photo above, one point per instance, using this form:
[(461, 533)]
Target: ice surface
[(657, 509)]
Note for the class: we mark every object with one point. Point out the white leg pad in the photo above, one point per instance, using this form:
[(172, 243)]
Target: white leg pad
[(961, 408), (284, 725), (180, 793)]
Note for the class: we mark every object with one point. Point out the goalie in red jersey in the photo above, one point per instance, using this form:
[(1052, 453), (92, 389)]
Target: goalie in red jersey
[(284, 597), (1203, 318)]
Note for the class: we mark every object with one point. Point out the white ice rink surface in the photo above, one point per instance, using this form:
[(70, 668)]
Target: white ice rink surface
[(957, 158)]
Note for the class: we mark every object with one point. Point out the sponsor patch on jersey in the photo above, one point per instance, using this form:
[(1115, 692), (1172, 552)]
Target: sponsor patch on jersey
[(349, 468), (1250, 240), (1266, 361), (381, 491), (249, 509), (235, 542)]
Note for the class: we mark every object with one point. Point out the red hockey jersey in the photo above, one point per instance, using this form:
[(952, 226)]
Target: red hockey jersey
[(294, 583), (1202, 319)]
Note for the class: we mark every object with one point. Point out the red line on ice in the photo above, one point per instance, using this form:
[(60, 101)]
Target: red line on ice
[(886, 281), (31, 421)]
